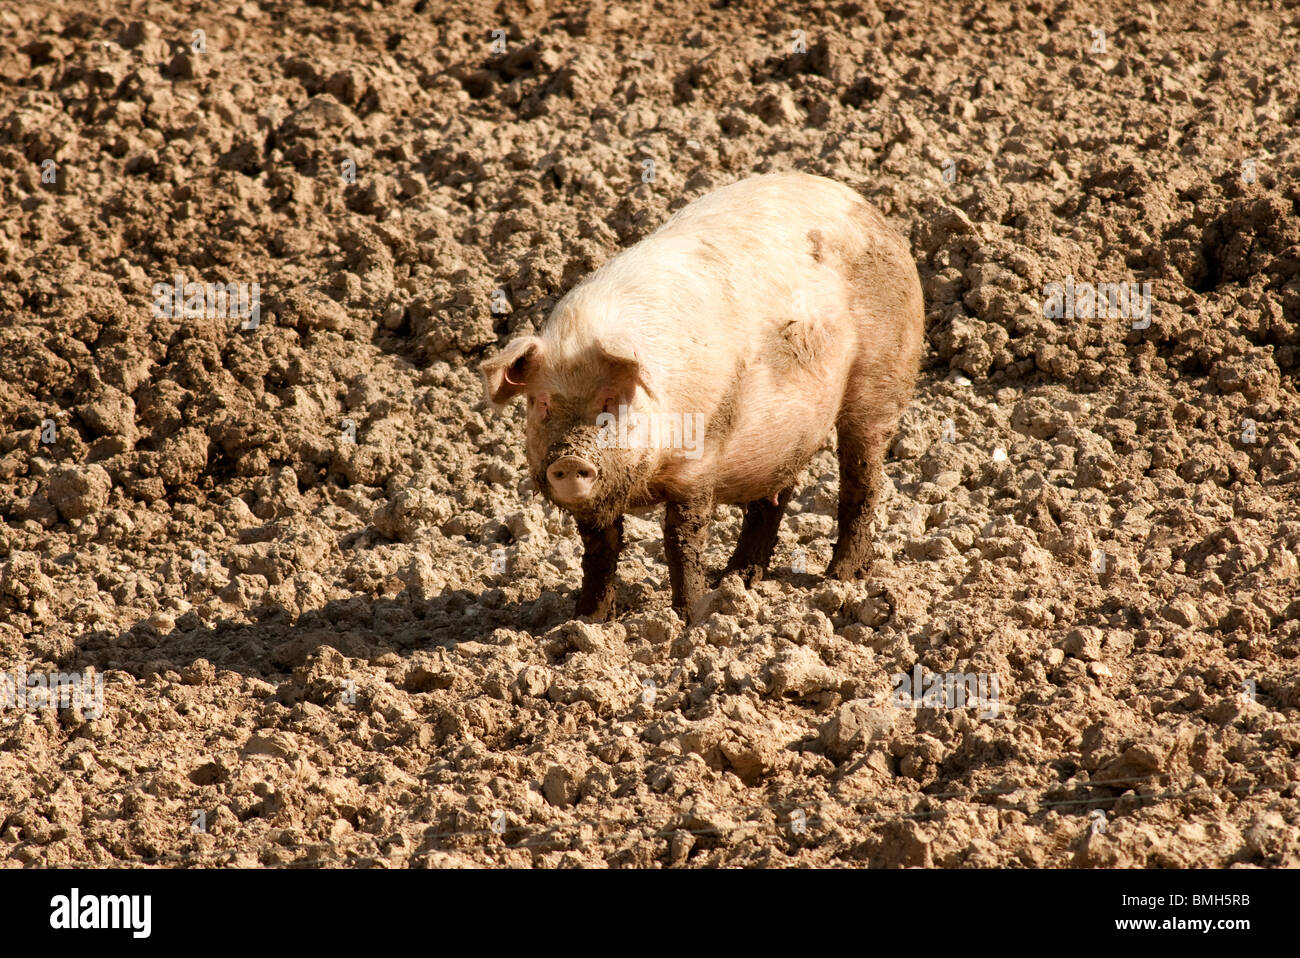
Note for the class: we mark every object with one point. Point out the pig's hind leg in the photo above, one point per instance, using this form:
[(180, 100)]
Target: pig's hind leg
[(758, 535), (862, 447)]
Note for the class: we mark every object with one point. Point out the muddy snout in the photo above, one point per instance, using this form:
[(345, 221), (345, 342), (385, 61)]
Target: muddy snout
[(572, 479)]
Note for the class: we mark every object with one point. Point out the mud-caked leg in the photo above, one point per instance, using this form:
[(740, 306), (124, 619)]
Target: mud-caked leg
[(758, 536), (686, 532), (862, 448), (600, 548)]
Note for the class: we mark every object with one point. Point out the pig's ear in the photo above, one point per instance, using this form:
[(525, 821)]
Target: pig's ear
[(513, 370), (623, 373)]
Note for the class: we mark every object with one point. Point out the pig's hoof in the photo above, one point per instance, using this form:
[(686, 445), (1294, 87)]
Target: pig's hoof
[(586, 610), (750, 574), (689, 613), (848, 572)]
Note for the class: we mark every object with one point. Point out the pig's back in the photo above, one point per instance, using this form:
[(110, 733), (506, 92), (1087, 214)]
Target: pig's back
[(772, 204), (726, 269)]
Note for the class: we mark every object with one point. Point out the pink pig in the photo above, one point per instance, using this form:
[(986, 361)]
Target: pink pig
[(708, 363)]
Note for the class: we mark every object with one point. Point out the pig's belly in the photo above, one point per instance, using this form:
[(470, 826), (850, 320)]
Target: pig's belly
[(771, 444), (782, 418)]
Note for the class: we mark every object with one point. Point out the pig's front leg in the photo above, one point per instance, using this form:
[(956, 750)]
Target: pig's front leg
[(686, 529), (600, 548)]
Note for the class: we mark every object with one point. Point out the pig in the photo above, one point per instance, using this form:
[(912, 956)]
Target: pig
[(766, 312)]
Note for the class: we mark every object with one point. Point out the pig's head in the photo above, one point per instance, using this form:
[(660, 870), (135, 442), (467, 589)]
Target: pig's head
[(572, 463)]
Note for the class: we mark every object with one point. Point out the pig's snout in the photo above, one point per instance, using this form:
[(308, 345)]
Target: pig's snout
[(571, 479)]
